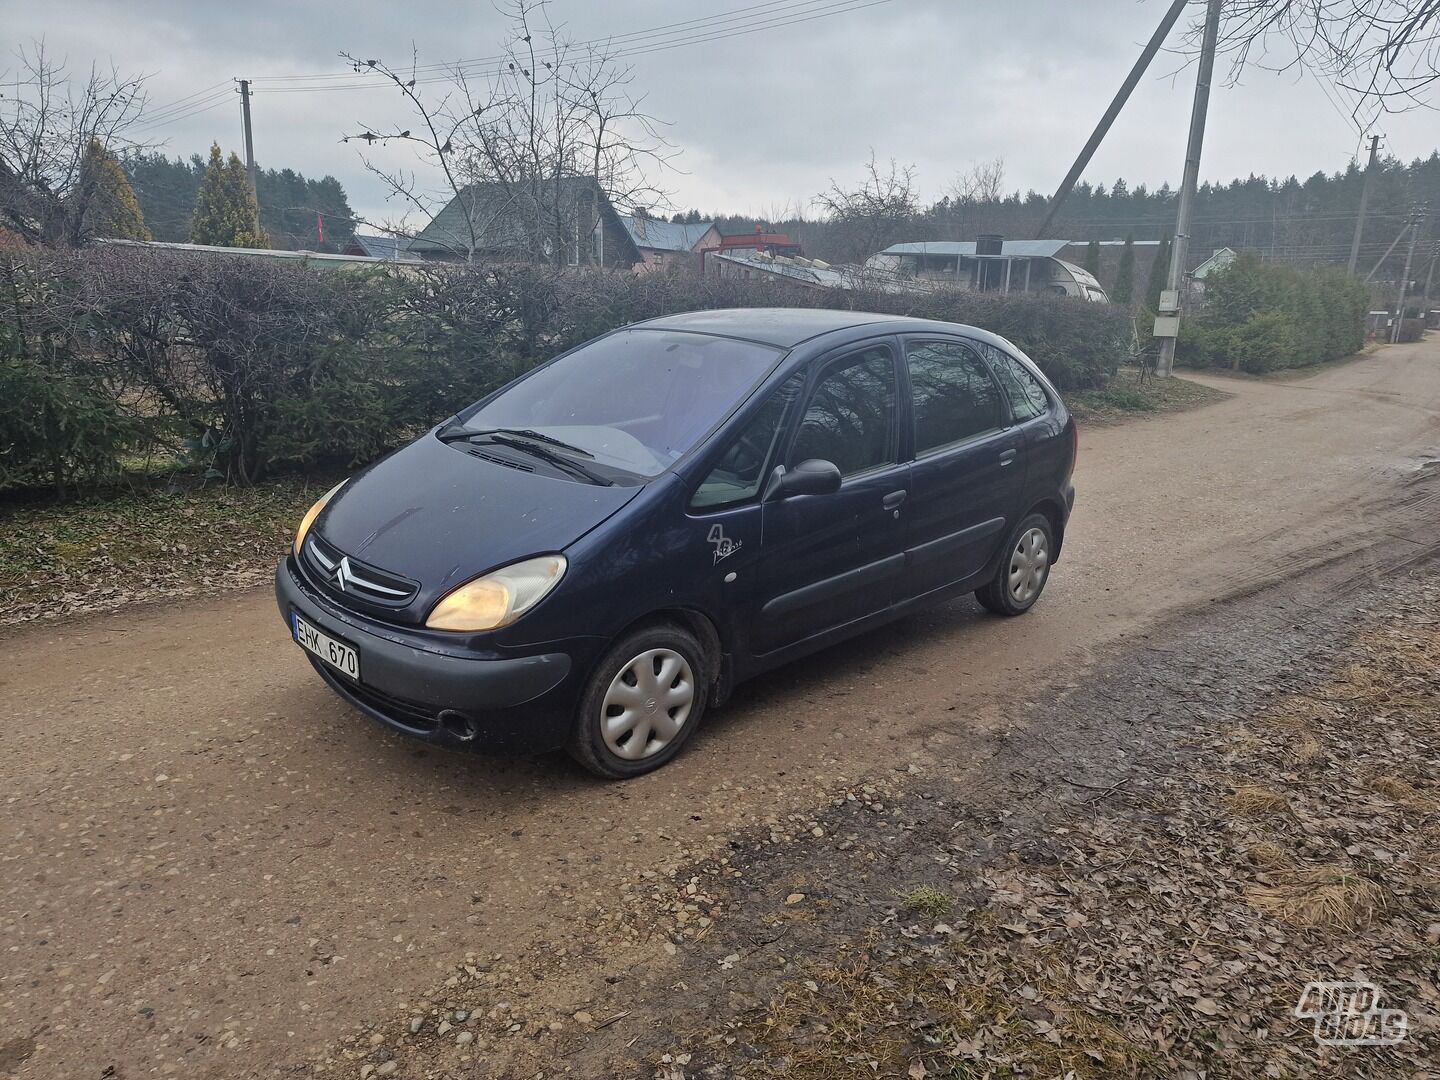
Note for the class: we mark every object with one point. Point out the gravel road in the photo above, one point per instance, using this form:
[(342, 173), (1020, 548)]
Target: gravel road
[(211, 867)]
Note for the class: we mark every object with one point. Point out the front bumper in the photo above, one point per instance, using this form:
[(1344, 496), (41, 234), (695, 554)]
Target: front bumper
[(523, 703)]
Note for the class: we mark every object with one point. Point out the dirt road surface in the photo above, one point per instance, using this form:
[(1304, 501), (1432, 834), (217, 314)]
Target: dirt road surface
[(211, 867)]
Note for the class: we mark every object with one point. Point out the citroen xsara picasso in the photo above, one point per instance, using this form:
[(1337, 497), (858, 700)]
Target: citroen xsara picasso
[(592, 555)]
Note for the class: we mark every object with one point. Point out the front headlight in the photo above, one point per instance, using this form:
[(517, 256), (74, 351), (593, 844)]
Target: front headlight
[(498, 598), (312, 514)]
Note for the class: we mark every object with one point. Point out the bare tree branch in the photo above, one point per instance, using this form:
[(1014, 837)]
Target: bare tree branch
[(500, 142)]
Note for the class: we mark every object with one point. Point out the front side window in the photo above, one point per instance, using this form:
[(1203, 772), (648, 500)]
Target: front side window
[(954, 396), (850, 418), (635, 400), (737, 477), (1028, 398)]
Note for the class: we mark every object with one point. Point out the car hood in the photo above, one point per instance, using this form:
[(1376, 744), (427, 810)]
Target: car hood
[(439, 516)]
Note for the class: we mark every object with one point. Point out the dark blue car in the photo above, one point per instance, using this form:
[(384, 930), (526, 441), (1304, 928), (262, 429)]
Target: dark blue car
[(593, 555)]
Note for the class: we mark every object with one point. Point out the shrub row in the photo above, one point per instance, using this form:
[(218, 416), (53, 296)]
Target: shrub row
[(244, 365), (1261, 316)]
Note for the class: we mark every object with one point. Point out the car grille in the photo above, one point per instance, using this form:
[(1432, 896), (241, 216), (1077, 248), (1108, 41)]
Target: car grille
[(407, 714), (352, 579)]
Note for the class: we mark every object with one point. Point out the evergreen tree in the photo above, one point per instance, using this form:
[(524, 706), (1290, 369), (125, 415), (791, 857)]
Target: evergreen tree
[(165, 189), (1124, 289), (224, 208), (1159, 274), (1092, 258), (110, 206)]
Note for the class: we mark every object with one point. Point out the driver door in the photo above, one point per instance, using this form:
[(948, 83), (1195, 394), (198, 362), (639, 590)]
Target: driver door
[(830, 560)]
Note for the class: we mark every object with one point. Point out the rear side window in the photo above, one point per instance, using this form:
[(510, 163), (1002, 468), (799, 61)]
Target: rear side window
[(737, 477), (1028, 398), (850, 418), (954, 395)]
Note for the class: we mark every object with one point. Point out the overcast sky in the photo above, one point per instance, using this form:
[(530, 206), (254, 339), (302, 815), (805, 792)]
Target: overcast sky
[(763, 119)]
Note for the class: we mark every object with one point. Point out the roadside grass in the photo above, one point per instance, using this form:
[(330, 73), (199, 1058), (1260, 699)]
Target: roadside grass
[(859, 1020), (1170, 931), (1126, 396), (145, 543)]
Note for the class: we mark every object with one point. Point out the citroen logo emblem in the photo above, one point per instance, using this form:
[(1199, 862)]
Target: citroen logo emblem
[(342, 573)]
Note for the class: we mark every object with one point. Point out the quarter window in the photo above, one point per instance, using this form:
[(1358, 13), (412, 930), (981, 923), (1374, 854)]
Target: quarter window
[(955, 397), (850, 419), (741, 469), (1028, 398)]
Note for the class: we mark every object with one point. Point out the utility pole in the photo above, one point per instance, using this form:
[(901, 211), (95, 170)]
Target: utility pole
[(249, 147), (1409, 224), (1419, 223), (1157, 39), (1364, 199), (1170, 321), (1429, 279)]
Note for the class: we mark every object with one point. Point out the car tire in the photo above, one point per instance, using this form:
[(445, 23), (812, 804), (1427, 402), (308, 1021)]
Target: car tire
[(653, 684), (1024, 568)]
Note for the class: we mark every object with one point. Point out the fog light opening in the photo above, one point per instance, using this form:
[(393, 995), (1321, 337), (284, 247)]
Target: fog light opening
[(458, 726)]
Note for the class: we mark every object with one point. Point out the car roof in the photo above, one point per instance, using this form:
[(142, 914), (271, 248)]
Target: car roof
[(782, 327)]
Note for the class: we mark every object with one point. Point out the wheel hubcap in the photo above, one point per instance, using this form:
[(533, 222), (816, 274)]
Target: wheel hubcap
[(647, 704), (1029, 566)]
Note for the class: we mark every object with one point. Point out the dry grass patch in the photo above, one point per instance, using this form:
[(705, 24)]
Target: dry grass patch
[(1322, 898), (845, 1022), (1399, 789), (1257, 801), (1269, 854)]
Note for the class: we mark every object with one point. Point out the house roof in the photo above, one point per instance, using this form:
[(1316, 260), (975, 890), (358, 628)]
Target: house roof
[(1218, 261), (382, 247), (497, 211), (1018, 248), (664, 235)]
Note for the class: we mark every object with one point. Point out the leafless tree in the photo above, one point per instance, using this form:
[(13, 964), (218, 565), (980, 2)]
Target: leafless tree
[(876, 212), (46, 123), (1385, 51), (972, 192), (502, 138), (983, 182)]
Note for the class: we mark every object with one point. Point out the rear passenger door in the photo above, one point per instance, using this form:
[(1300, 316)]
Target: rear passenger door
[(967, 476), (1049, 448)]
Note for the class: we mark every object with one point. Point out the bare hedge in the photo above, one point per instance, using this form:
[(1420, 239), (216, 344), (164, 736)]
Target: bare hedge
[(241, 366)]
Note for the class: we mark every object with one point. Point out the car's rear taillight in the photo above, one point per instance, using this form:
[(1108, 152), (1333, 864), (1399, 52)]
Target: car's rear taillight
[(1075, 448)]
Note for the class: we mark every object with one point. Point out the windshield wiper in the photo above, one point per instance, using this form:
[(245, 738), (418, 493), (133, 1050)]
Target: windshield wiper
[(453, 434), (558, 460)]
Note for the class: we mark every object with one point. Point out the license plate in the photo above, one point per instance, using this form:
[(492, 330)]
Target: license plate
[(337, 654)]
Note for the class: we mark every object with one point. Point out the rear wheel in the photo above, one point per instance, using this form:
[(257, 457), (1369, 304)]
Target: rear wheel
[(642, 702), (1023, 572)]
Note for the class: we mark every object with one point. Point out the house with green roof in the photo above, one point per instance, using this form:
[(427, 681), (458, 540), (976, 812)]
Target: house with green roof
[(567, 221)]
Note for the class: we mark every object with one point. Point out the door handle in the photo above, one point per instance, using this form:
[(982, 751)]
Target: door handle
[(1008, 456), (894, 499)]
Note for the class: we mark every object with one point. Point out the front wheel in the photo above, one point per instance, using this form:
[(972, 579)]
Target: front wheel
[(642, 703), (1023, 572)]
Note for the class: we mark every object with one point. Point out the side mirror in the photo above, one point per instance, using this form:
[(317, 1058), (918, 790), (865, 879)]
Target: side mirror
[(812, 477)]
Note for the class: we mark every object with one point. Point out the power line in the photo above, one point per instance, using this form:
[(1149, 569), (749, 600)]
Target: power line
[(202, 106), (832, 8), (736, 14), (181, 102)]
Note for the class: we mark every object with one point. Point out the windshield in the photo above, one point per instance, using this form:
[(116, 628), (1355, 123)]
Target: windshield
[(635, 400)]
